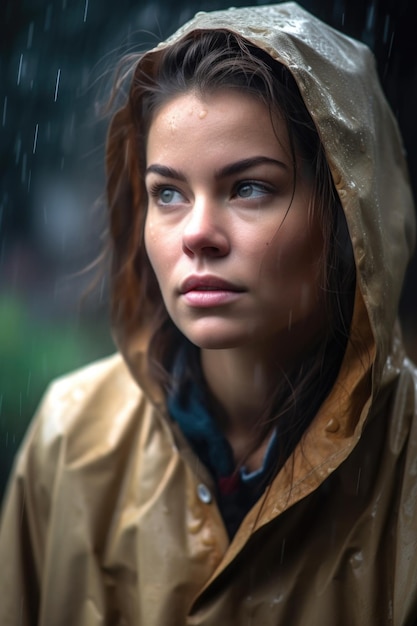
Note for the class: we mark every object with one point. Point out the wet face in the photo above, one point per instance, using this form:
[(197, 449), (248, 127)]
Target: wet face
[(227, 233)]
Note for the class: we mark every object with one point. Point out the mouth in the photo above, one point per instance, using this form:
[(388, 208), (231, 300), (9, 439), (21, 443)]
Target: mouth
[(208, 283), (209, 292)]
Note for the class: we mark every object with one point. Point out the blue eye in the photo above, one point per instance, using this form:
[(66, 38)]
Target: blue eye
[(169, 196), (251, 190), (166, 195)]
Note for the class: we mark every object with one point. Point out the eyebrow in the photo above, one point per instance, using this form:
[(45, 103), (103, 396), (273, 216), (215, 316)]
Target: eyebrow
[(227, 170)]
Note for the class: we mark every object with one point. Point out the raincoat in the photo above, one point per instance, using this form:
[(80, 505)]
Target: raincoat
[(111, 519)]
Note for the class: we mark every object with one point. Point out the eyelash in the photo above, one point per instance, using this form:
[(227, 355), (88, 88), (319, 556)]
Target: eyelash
[(255, 184), (157, 188)]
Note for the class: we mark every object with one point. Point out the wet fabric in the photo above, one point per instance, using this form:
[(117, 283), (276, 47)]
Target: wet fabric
[(111, 518)]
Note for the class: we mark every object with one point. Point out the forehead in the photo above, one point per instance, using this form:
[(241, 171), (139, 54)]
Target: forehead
[(225, 119)]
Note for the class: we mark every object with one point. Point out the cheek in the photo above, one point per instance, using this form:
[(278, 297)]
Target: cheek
[(293, 255), (160, 252), (151, 247)]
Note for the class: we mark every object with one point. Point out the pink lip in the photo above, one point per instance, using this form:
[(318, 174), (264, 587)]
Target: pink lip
[(208, 291), (208, 283)]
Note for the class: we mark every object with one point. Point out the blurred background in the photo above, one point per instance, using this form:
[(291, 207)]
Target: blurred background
[(57, 60)]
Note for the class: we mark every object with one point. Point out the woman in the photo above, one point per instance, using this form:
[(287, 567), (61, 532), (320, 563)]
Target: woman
[(249, 457)]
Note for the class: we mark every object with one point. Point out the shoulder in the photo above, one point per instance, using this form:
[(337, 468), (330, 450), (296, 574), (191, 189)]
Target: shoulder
[(98, 390), (67, 475), (83, 415), (106, 380)]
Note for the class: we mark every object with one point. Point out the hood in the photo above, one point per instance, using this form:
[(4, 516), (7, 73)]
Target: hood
[(337, 78)]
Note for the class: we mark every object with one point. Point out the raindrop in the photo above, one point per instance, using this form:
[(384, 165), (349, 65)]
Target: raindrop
[(276, 600), (48, 16), (30, 36), (85, 10), (58, 76), (35, 138), (4, 110), (371, 17), (19, 71), (24, 159), (29, 179), (18, 147), (386, 28), (64, 4), (390, 45)]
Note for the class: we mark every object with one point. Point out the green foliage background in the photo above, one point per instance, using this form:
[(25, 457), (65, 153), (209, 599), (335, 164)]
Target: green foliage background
[(33, 352)]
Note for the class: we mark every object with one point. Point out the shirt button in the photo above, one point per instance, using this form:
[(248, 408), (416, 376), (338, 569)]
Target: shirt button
[(203, 493)]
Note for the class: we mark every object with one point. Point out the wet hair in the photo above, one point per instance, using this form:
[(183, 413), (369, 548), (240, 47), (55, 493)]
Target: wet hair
[(204, 62)]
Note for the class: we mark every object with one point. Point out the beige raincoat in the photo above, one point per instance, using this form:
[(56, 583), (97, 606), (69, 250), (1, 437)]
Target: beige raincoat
[(110, 519)]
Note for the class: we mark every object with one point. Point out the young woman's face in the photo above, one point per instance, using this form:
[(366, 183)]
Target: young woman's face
[(227, 233)]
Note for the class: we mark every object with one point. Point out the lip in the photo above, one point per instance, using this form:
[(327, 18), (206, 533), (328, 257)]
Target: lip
[(207, 283), (209, 291)]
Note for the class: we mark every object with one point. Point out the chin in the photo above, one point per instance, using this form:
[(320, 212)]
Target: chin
[(214, 343), (213, 337)]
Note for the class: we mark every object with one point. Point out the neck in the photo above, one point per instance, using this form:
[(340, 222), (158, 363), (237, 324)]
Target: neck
[(242, 381), (241, 384)]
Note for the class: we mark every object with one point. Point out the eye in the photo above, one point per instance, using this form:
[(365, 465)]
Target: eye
[(251, 190), (166, 195)]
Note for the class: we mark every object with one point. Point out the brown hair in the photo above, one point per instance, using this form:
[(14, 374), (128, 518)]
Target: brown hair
[(206, 61)]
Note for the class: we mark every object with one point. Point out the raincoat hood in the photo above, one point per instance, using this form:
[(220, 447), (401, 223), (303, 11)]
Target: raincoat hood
[(337, 78)]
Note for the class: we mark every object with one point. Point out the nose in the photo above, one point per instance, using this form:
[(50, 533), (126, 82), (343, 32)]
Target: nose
[(205, 232)]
